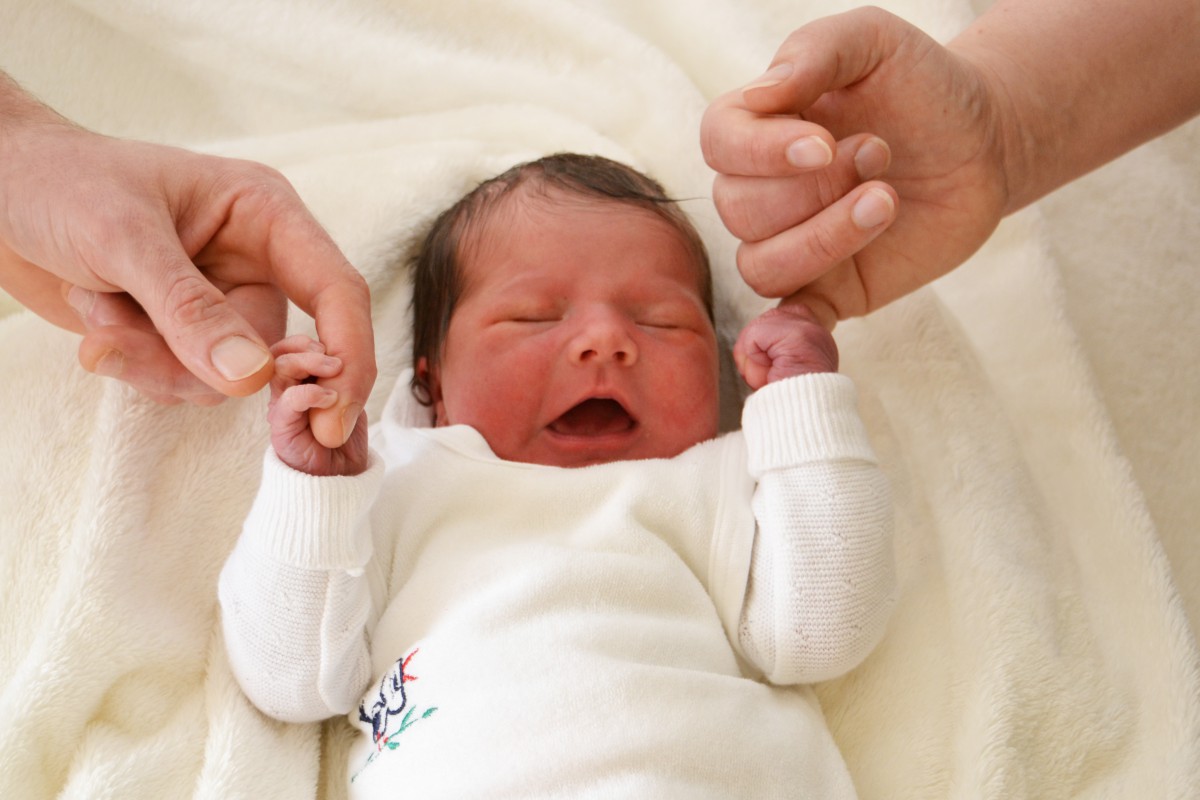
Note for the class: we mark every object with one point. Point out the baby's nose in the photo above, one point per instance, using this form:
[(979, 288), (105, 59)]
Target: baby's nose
[(604, 337)]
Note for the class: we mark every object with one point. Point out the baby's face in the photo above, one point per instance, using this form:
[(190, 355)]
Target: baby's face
[(581, 337)]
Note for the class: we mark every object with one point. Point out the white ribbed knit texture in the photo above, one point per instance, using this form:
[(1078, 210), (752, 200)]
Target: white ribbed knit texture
[(832, 428), (318, 523)]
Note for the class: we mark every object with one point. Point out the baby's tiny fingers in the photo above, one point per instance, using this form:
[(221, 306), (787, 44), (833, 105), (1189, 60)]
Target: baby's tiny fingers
[(302, 366), (305, 396), (298, 343), (752, 361)]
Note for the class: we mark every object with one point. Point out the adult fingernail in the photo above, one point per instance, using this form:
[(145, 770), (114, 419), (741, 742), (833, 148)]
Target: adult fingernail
[(872, 159), (110, 364), (809, 153), (873, 209), (81, 300), (772, 77), (237, 358), (350, 417)]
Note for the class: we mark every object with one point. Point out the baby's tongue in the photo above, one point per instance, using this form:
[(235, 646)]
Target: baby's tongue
[(596, 417)]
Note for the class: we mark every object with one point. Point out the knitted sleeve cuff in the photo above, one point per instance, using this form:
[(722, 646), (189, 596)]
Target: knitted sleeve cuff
[(803, 419), (313, 522)]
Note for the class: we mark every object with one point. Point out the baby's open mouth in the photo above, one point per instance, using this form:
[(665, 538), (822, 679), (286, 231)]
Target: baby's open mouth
[(598, 416)]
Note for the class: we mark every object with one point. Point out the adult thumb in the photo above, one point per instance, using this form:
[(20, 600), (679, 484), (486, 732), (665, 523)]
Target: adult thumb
[(203, 329)]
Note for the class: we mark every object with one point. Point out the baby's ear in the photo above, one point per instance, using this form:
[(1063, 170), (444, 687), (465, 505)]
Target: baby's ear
[(428, 377)]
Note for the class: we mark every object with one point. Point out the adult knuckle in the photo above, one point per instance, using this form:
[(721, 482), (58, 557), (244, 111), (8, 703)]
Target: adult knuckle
[(717, 124), (748, 209), (826, 188), (257, 188), (764, 155), (253, 174), (733, 209), (822, 246), (750, 264), (189, 301)]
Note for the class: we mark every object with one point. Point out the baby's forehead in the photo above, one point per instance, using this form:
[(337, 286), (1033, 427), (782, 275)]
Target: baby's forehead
[(516, 211), (533, 198), (535, 195)]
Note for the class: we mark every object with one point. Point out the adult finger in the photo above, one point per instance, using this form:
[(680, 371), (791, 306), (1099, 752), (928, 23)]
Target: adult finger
[(142, 359), (737, 141), (826, 55), (36, 289), (753, 130), (122, 341), (315, 275), (780, 265), (106, 309), (196, 320), (754, 209)]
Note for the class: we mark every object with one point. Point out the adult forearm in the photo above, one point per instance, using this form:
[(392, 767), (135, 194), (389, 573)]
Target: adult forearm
[(1080, 82), (33, 288)]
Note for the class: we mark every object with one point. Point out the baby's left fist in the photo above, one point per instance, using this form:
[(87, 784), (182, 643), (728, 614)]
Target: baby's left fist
[(781, 343)]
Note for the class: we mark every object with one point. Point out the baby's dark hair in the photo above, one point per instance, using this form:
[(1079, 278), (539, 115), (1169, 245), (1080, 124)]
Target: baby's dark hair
[(438, 269)]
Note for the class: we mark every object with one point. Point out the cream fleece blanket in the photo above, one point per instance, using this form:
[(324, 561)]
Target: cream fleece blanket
[(1036, 411)]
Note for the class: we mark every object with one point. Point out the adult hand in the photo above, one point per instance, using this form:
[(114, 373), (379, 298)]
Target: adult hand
[(848, 99), (1003, 115), (172, 263)]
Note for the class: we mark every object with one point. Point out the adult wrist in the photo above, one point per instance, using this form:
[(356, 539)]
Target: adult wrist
[(1007, 104)]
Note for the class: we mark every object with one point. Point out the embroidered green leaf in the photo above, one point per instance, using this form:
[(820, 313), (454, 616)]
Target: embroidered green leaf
[(429, 713), (407, 721)]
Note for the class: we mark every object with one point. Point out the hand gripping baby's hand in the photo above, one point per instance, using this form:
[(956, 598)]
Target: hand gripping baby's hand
[(783, 342), (300, 362)]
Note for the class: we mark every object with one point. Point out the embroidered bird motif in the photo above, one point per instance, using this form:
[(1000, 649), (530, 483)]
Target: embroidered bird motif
[(392, 698)]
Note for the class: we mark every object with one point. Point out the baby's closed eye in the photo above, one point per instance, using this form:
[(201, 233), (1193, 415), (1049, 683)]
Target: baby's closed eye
[(534, 318), (671, 317), (530, 311)]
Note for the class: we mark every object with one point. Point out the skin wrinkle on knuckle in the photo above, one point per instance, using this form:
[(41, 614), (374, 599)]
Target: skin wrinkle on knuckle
[(826, 188), (189, 302), (820, 246), (764, 153)]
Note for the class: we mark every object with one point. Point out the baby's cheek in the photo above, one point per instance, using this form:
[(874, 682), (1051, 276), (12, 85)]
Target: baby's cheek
[(693, 390)]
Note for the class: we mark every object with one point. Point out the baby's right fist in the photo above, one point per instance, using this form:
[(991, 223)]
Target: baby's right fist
[(783, 342), (300, 360)]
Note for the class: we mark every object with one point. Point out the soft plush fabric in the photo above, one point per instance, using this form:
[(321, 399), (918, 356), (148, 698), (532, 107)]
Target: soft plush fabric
[(1035, 411)]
